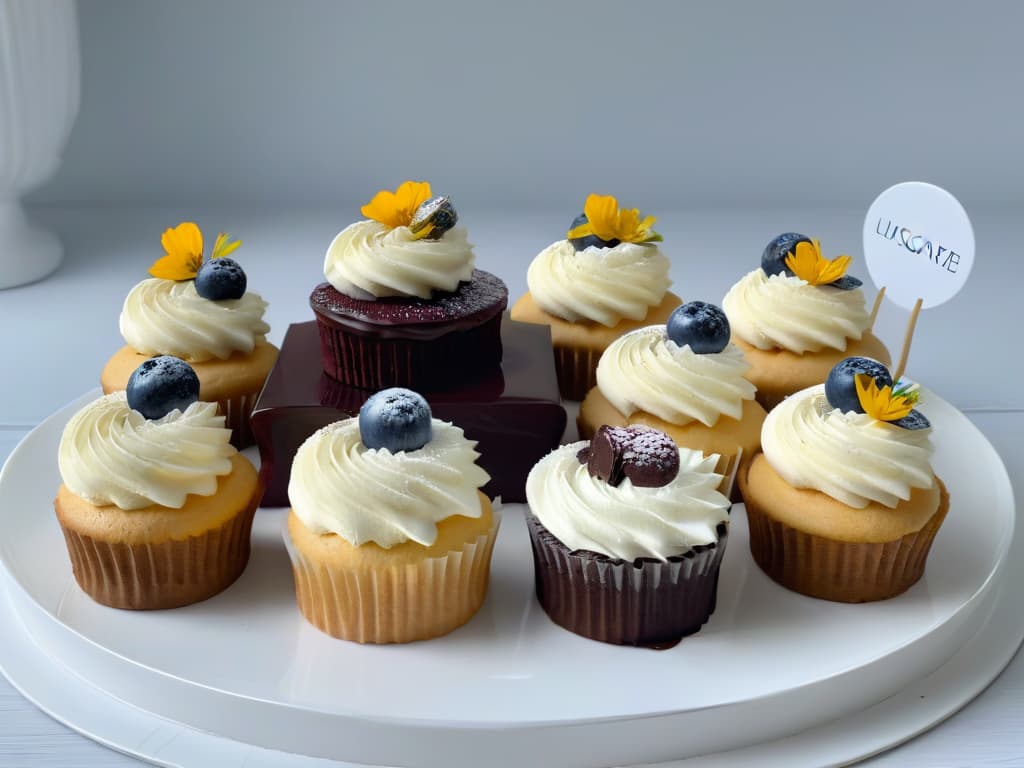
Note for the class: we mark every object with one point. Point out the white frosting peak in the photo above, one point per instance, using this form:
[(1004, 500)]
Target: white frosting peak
[(340, 486), (167, 317), (111, 454), (785, 312), (369, 260), (603, 285), (624, 521), (848, 456), (646, 371)]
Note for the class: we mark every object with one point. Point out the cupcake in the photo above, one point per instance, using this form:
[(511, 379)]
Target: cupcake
[(608, 277), (628, 534), (155, 504), (200, 312), (389, 535), (797, 316), (843, 503), (684, 378), (403, 304)]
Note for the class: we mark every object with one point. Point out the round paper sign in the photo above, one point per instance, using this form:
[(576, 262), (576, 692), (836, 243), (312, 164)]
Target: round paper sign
[(918, 243)]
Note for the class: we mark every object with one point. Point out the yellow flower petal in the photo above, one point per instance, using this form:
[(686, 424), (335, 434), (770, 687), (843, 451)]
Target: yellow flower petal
[(184, 253), (881, 404), (223, 246), (602, 212), (807, 263), (174, 267), (395, 209)]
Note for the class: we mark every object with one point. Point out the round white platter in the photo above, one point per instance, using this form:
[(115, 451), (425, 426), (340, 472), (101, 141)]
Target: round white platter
[(242, 676)]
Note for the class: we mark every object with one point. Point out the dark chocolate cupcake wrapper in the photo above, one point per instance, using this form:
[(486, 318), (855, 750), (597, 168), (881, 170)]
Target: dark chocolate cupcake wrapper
[(577, 371), (644, 602), (373, 363)]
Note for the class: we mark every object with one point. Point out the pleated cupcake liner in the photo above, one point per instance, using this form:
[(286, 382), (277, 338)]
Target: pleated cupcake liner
[(643, 602), (372, 363), (576, 369), (236, 411), (395, 604), (166, 574), (841, 571)]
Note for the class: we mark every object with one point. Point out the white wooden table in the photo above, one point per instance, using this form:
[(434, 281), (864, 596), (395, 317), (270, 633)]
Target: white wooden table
[(56, 335)]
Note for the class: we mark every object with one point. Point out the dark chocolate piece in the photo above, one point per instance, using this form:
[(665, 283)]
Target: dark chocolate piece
[(649, 458), (513, 412)]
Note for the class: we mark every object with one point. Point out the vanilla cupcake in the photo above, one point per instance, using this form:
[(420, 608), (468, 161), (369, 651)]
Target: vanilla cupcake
[(797, 316), (683, 378), (389, 535), (608, 277), (628, 535), (200, 312), (155, 504), (844, 504)]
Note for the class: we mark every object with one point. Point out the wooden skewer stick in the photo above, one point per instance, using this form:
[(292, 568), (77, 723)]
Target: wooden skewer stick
[(874, 309), (907, 339)]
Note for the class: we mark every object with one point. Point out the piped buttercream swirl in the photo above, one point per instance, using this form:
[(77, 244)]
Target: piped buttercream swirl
[(849, 456), (165, 317), (785, 312), (340, 486), (111, 454), (623, 521), (368, 260), (646, 371), (603, 285)]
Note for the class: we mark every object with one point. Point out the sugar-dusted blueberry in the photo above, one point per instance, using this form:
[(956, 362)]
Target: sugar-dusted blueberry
[(220, 279), (397, 419), (702, 325), (590, 241), (841, 384), (773, 260), (161, 385)]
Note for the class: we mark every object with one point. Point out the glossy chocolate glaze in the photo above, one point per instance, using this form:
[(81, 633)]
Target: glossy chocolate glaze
[(513, 412), (473, 303)]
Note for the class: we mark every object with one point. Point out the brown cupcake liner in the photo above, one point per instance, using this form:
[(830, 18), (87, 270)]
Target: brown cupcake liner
[(577, 371), (236, 411), (166, 574), (372, 363), (644, 602), (841, 571), (395, 604)]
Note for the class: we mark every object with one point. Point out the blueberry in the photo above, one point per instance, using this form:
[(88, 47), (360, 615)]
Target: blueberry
[(913, 420), (161, 385), (701, 325), (773, 260), (397, 419), (437, 211), (582, 243), (841, 386), (220, 279)]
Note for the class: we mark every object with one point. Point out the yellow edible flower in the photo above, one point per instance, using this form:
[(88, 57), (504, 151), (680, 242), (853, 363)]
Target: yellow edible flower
[(882, 404), (808, 264), (183, 246), (395, 209), (607, 221)]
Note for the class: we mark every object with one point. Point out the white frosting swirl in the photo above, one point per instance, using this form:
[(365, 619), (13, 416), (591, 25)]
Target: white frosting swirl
[(338, 485), (848, 456), (167, 317), (604, 285), (785, 312), (644, 370), (111, 454), (368, 260), (624, 521)]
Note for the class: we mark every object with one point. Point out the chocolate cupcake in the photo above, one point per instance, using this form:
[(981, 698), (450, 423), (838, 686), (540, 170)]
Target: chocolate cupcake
[(403, 304), (628, 535)]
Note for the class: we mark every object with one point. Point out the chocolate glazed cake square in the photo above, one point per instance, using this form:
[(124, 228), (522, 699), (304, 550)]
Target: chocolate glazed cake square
[(512, 410)]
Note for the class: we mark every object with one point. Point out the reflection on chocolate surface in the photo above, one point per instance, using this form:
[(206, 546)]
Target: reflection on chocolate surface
[(514, 412)]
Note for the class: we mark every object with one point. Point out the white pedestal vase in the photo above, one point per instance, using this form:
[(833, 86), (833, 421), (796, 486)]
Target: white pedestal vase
[(39, 95)]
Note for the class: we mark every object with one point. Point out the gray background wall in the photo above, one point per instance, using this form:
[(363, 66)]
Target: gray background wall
[(536, 103)]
